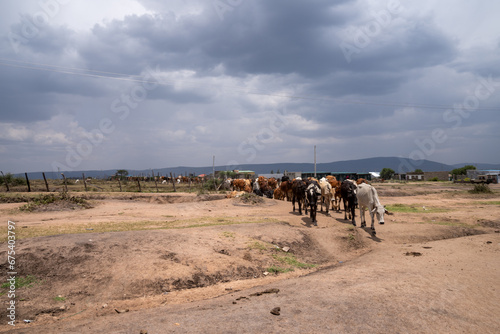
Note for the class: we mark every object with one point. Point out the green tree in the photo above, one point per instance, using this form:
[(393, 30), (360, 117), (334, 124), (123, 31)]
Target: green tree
[(386, 173), (121, 173), (418, 170), (462, 170)]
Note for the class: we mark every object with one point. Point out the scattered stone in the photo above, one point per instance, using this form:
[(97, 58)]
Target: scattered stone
[(286, 249), (497, 231), (273, 290), (104, 305), (25, 226), (234, 303), (413, 253), (242, 297), (427, 247), (229, 289), (223, 251), (266, 273), (121, 311), (276, 311), (489, 242), (143, 331)]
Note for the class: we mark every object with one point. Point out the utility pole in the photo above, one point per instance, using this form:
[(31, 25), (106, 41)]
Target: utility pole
[(314, 161), (213, 172)]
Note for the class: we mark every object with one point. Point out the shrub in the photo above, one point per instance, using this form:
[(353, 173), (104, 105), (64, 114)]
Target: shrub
[(480, 189), (12, 181), (434, 179)]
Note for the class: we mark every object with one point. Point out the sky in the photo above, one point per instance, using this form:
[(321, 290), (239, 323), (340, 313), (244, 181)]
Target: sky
[(140, 84)]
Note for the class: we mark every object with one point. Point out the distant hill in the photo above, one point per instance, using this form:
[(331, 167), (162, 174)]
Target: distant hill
[(399, 165), (479, 166)]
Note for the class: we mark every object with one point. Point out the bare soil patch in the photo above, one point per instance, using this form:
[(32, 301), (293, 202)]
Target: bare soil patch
[(187, 254)]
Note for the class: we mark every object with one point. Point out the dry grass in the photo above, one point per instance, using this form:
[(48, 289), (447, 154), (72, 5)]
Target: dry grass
[(40, 231)]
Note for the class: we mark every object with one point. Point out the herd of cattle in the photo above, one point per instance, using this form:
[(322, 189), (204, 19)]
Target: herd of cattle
[(310, 192)]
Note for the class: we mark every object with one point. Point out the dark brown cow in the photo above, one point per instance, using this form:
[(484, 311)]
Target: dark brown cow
[(299, 194), (348, 190)]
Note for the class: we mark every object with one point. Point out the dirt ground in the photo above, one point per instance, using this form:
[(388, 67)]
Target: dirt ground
[(184, 263)]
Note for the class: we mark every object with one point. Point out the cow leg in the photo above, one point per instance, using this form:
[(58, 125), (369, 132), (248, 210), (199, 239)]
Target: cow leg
[(353, 208), (362, 216), (293, 203), (314, 208), (345, 210), (373, 223)]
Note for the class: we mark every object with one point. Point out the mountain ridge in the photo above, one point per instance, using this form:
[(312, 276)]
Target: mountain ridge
[(399, 165)]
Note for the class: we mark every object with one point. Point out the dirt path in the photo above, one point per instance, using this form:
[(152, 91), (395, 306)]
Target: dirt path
[(452, 287), (179, 264)]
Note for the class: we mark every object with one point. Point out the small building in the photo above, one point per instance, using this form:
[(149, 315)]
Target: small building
[(244, 174), (415, 176), (293, 175), (319, 175), (440, 176), (492, 174)]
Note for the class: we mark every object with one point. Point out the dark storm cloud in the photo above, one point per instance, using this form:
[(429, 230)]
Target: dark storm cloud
[(212, 66), (277, 37)]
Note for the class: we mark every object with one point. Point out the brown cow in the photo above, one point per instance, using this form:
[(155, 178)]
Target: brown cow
[(360, 180), (278, 194), (338, 195), (273, 183), (286, 189), (239, 185)]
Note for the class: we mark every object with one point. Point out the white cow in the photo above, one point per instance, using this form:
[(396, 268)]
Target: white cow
[(368, 198), (326, 194)]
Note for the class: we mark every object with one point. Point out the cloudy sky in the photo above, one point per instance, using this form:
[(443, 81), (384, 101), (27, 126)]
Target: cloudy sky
[(140, 84)]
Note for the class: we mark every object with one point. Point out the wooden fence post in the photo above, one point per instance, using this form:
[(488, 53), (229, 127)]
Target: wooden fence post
[(65, 185), (156, 183), (173, 181), (139, 184), (28, 182), (119, 183), (5, 180), (84, 181), (46, 183)]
